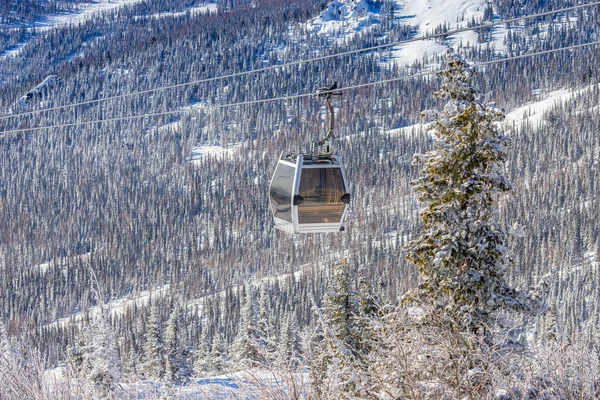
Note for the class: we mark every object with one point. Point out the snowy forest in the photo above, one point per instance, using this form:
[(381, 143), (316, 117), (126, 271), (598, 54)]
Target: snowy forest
[(138, 254)]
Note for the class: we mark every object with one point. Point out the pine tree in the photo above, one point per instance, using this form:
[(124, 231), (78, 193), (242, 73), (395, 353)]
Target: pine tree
[(462, 255), (95, 360), (6, 348), (177, 366), (551, 329), (339, 362), (173, 351), (290, 349), (218, 360), (105, 360), (130, 366), (368, 315), (153, 365), (202, 356), (246, 348)]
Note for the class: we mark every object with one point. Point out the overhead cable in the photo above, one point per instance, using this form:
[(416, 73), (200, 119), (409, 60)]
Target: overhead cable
[(291, 97)]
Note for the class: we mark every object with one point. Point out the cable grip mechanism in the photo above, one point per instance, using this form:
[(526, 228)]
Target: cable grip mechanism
[(324, 147)]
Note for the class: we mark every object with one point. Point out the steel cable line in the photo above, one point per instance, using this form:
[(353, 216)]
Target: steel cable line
[(297, 96), (294, 63)]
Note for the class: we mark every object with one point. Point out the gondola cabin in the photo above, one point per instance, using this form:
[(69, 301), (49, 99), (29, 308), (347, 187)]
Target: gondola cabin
[(309, 194)]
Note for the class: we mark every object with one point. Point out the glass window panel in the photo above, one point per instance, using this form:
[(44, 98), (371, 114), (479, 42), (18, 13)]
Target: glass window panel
[(322, 190), (281, 192)]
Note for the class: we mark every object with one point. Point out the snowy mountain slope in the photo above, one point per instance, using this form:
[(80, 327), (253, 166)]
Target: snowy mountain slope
[(530, 113), (534, 112), (428, 16), (343, 20), (197, 10), (86, 10)]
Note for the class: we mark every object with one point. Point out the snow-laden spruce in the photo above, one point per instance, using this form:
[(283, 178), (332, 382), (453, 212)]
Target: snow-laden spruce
[(461, 254)]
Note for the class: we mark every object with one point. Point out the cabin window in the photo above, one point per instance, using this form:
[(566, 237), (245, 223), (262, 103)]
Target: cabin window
[(322, 190), (281, 192)]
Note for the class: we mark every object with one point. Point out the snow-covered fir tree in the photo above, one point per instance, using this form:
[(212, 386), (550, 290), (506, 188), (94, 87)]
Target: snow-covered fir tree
[(446, 339), (131, 363), (218, 359), (202, 356), (338, 366), (246, 348), (177, 366), (462, 254), (7, 352), (95, 359), (153, 365), (290, 349), (551, 325)]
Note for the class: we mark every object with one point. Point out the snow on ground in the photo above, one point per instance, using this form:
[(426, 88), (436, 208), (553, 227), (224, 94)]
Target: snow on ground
[(51, 21), (343, 19), (13, 51), (409, 129), (120, 305), (62, 262), (247, 384), (426, 15), (115, 307), (216, 151), (205, 9), (533, 113), (86, 11)]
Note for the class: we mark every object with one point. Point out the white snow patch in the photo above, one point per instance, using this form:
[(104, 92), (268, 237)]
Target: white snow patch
[(409, 129), (114, 307), (199, 10), (35, 94), (62, 262), (426, 15), (204, 151), (420, 51), (85, 12), (533, 112), (247, 384), (344, 19), (13, 51)]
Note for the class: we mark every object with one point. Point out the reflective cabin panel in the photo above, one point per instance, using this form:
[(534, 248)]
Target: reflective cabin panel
[(281, 192), (322, 190)]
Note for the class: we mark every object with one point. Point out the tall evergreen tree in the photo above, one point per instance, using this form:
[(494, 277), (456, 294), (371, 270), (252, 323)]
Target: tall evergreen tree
[(246, 348), (6, 348), (338, 366), (462, 256), (177, 365), (218, 359), (153, 365), (289, 342), (202, 356), (94, 358), (550, 327)]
